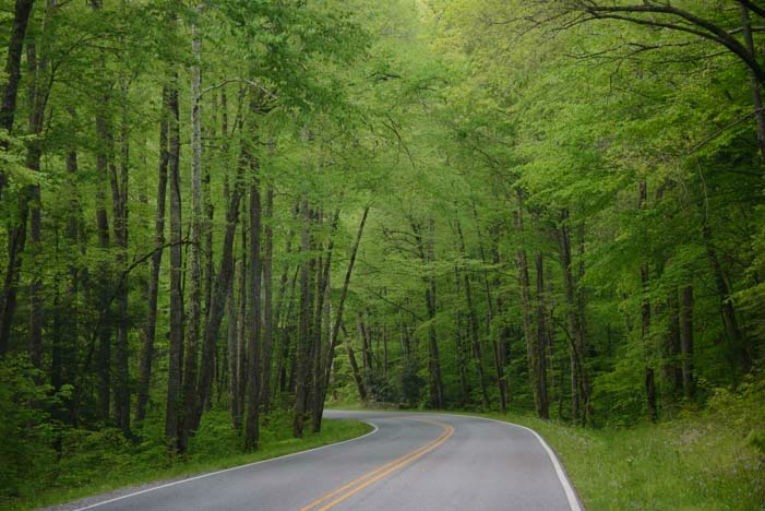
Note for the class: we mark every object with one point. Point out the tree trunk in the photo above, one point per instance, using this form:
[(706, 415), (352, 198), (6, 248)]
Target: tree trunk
[(542, 344), (577, 335), (22, 10), (756, 85), (255, 313), (686, 341), (194, 336), (150, 328), (303, 346), (268, 308), (119, 183), (175, 349), (216, 306), (645, 320)]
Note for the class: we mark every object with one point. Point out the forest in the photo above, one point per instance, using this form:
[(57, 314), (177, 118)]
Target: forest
[(236, 212)]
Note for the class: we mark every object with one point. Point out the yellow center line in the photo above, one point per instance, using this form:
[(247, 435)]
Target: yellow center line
[(342, 493)]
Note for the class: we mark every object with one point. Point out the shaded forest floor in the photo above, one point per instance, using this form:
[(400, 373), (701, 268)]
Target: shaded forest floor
[(102, 461)]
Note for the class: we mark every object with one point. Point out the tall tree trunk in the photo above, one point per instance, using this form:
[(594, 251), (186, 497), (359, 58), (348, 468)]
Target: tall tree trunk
[(532, 339), (303, 346), (37, 100), (175, 350), (268, 295), (17, 237), (194, 336), (216, 306), (741, 354), (542, 344), (21, 13), (255, 312), (473, 322), (150, 327), (645, 320), (756, 85), (686, 340), (576, 327)]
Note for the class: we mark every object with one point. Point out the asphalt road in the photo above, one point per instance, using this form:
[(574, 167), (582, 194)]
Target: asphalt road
[(410, 461)]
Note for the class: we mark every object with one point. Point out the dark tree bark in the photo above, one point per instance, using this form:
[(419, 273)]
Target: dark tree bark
[(150, 327), (473, 322), (254, 314), (303, 344), (21, 12), (542, 344), (17, 237), (686, 341), (268, 295), (580, 394), (645, 319), (175, 350), (216, 307)]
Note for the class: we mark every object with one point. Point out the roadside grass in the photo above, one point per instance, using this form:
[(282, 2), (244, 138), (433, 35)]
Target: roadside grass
[(99, 462), (686, 464)]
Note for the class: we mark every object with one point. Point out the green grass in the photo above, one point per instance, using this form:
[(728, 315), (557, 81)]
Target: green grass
[(698, 462), (99, 462)]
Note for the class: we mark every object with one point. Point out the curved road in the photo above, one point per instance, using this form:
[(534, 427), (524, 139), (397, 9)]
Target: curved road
[(409, 461)]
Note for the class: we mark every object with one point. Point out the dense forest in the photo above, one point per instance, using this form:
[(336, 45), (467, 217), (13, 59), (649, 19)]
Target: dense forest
[(263, 206)]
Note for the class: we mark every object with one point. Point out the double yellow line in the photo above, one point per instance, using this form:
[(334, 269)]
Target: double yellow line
[(344, 492)]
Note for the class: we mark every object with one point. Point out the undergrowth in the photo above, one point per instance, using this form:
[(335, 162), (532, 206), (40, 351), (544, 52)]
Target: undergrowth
[(93, 462)]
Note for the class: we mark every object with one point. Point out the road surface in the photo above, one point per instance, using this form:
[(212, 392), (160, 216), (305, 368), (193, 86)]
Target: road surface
[(409, 461)]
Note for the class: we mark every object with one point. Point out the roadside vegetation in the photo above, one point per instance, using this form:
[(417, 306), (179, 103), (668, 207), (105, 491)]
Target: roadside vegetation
[(95, 462)]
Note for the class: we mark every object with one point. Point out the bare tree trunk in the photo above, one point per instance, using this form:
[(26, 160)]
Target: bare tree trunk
[(21, 12), (577, 335), (216, 306), (303, 346), (756, 85), (268, 292), (740, 350), (686, 341), (119, 184), (194, 336), (645, 320), (150, 328), (175, 355), (542, 344), (255, 313)]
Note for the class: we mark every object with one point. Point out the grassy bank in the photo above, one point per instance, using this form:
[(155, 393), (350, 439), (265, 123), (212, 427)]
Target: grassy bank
[(97, 462), (702, 461)]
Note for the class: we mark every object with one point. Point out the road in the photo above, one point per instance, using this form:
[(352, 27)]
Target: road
[(409, 461)]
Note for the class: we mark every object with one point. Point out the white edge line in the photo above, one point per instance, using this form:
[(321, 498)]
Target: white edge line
[(568, 488), (231, 469)]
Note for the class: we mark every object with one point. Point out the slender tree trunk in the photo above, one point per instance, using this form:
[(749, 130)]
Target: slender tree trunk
[(686, 341), (255, 313), (531, 335), (216, 306), (542, 344), (577, 335), (303, 346), (357, 378), (37, 99), (474, 329), (645, 320), (21, 13), (150, 328), (191, 362), (177, 320), (119, 184), (742, 357), (756, 85), (268, 308)]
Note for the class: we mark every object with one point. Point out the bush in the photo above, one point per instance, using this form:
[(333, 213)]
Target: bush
[(26, 453)]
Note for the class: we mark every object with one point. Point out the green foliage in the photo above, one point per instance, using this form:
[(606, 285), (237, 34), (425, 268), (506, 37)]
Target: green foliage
[(27, 459)]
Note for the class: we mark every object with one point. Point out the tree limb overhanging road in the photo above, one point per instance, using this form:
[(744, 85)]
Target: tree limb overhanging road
[(409, 461)]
